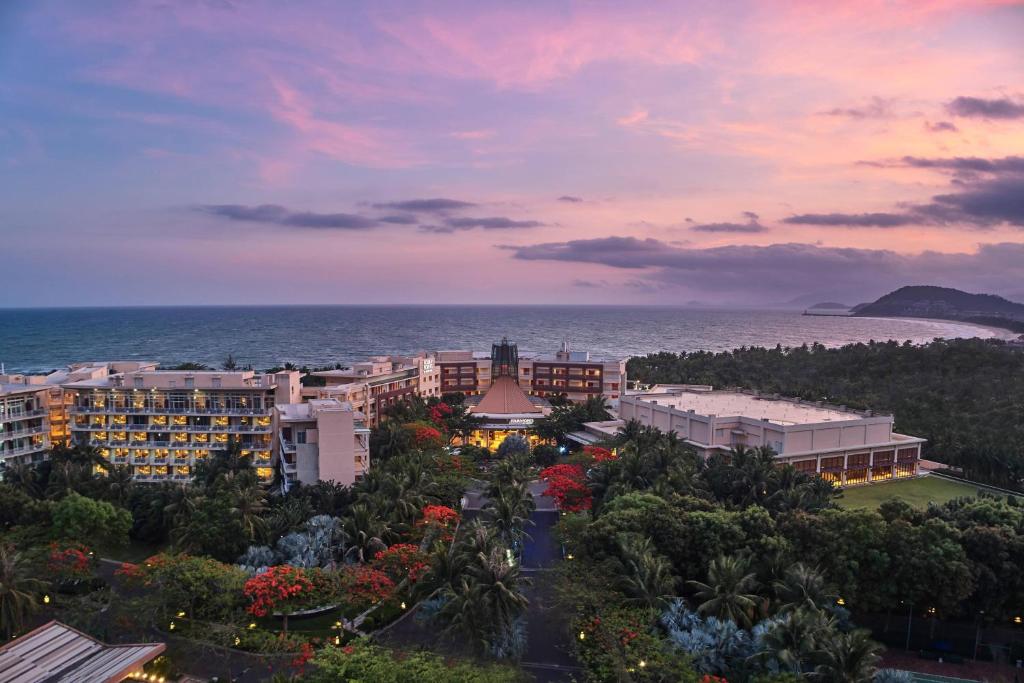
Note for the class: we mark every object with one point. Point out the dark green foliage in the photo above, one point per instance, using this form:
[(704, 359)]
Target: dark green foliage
[(963, 395)]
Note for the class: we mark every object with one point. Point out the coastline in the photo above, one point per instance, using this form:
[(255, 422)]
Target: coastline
[(997, 332)]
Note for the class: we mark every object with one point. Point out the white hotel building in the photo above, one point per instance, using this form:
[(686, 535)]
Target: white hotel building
[(844, 446)]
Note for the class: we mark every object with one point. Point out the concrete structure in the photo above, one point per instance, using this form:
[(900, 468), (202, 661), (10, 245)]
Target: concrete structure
[(574, 374), (505, 409), (321, 440), (162, 422), (844, 446), (382, 381), (371, 386), (56, 653), (24, 423)]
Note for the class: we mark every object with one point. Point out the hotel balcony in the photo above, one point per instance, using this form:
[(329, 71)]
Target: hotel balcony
[(167, 410), (24, 450), (286, 445), (22, 415), (13, 433)]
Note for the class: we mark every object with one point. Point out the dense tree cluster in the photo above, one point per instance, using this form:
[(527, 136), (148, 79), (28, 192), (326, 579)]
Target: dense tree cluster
[(963, 395), (749, 568)]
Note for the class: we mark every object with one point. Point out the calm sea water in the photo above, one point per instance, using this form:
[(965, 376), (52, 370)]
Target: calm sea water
[(41, 339)]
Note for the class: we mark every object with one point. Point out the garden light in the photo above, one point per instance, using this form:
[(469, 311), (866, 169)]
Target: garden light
[(642, 663), (46, 599), (171, 626), (583, 636)]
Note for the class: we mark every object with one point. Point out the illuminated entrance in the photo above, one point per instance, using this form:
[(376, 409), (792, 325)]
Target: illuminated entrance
[(505, 409)]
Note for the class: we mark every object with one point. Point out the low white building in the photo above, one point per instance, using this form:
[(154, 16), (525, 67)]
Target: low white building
[(844, 446)]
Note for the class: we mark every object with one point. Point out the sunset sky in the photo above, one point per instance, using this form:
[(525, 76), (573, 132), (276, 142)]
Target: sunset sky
[(718, 153)]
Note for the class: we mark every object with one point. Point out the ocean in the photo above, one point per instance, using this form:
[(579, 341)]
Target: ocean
[(34, 340)]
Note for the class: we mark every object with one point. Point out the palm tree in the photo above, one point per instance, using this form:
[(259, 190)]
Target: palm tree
[(18, 589), (729, 591), (802, 586), (848, 658), (363, 534), (23, 476), (120, 483), (596, 409), (648, 578), (248, 503), (793, 642), (486, 601), (392, 439), (508, 513)]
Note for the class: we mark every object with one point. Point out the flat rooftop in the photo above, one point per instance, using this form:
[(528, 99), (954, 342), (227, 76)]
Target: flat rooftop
[(783, 411), (301, 412), (11, 389)]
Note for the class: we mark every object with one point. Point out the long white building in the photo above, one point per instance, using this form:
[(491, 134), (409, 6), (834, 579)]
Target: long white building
[(844, 446)]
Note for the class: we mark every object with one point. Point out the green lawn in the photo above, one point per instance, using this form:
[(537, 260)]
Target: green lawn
[(918, 492)]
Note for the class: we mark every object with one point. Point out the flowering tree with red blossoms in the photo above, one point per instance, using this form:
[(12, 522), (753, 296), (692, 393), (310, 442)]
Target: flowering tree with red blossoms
[(439, 413), (424, 435), (402, 561), (598, 454), (69, 562), (365, 586), (567, 485), (439, 521), (279, 589)]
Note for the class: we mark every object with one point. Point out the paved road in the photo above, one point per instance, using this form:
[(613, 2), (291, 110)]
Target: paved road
[(548, 655)]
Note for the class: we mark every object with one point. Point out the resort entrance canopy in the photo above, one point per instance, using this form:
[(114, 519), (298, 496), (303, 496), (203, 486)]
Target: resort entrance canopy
[(505, 409), (55, 653)]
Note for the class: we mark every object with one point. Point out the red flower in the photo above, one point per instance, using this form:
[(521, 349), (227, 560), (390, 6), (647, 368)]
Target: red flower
[(71, 562), (598, 454), (275, 587), (402, 560), (367, 586), (567, 485)]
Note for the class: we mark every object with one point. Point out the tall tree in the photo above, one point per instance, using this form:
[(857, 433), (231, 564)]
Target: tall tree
[(19, 590)]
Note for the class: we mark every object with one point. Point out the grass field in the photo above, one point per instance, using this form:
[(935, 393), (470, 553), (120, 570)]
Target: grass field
[(918, 492)]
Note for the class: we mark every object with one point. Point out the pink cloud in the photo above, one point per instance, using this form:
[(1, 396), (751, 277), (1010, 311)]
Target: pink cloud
[(353, 144)]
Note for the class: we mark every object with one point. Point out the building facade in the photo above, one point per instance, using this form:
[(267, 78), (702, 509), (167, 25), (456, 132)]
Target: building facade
[(25, 429), (576, 375), (378, 383), (321, 440), (844, 446), (162, 423)]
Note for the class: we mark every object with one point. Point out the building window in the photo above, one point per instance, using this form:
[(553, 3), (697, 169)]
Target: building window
[(906, 454), (881, 473), (300, 436), (857, 476), (138, 382), (215, 382), (834, 463), (190, 383), (884, 457), (857, 460), (905, 469)]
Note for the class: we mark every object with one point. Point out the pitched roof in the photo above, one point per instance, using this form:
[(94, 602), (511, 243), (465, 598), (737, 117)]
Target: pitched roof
[(55, 653), (505, 397)]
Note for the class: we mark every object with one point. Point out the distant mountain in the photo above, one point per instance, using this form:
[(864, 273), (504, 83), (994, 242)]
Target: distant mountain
[(947, 304), (829, 304)]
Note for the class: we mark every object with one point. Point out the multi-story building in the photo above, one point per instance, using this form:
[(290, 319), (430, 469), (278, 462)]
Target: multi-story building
[(572, 374), (321, 440), (24, 423), (844, 446), (374, 385), (163, 422), (576, 375)]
